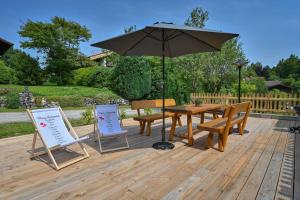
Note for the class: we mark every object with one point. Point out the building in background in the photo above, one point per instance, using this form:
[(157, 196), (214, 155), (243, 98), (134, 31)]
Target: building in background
[(101, 58), (4, 46), (278, 85)]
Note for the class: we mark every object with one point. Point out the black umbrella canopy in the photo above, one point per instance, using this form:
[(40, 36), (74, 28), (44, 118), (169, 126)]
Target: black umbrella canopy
[(178, 40), (4, 46)]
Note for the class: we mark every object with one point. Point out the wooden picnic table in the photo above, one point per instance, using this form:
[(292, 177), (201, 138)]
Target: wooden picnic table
[(189, 110)]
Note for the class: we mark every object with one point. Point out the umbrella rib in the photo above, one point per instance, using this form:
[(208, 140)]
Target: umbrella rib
[(135, 44), (174, 36), (200, 40), (152, 36), (171, 35)]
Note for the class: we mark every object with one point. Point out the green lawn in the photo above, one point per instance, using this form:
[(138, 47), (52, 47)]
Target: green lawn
[(23, 128), (60, 90), (64, 108)]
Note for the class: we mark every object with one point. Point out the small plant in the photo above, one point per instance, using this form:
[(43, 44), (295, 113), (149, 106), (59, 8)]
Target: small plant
[(123, 114), (12, 100), (87, 116), (198, 102), (148, 111)]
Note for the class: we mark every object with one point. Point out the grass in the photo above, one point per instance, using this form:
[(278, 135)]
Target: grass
[(23, 128), (60, 90)]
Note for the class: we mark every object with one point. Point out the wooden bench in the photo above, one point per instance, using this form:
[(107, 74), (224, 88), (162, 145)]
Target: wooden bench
[(236, 114), (148, 119)]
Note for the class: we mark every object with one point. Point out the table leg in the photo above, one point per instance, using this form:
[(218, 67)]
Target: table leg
[(202, 118), (172, 131), (190, 130)]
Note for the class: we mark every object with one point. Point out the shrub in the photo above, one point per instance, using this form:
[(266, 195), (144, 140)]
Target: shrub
[(100, 77), (132, 78), (81, 75), (6, 74), (12, 100), (87, 116)]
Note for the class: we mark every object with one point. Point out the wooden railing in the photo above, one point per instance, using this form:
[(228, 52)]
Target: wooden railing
[(261, 103)]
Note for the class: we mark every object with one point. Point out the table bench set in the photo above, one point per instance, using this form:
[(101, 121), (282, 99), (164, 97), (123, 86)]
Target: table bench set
[(235, 114)]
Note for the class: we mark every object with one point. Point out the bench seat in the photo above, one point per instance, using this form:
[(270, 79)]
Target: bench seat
[(152, 117), (219, 124), (148, 119)]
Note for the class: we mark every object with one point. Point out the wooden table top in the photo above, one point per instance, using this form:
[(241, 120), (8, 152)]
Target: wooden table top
[(192, 109)]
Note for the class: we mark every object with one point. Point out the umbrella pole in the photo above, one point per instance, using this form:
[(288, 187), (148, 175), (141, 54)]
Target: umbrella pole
[(163, 144)]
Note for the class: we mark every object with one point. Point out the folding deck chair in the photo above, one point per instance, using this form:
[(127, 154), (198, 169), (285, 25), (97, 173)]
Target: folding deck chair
[(55, 131), (109, 125)]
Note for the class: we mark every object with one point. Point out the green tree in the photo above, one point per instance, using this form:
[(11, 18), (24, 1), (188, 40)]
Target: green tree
[(197, 18), (209, 72), (129, 29), (260, 70), (219, 67), (132, 78), (58, 42), (6, 74), (288, 68), (27, 69)]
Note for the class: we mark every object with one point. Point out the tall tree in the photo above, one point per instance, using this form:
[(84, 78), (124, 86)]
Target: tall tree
[(260, 70), (197, 18), (209, 72), (27, 69), (288, 68), (58, 43), (129, 29)]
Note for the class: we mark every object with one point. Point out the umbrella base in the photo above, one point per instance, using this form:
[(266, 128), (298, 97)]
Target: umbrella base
[(236, 130), (163, 145)]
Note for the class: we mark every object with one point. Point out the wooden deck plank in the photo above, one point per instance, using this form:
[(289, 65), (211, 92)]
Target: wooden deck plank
[(228, 173), (234, 187), (200, 179), (144, 173), (268, 187), (252, 185)]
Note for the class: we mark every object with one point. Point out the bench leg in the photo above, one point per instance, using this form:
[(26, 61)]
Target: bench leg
[(209, 140), (221, 142), (179, 121), (240, 129), (244, 125), (215, 116), (142, 127), (148, 128), (173, 127)]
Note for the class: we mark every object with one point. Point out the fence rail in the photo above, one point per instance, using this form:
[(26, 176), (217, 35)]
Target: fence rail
[(261, 103)]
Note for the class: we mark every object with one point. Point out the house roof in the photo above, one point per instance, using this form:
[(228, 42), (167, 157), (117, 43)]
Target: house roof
[(100, 55), (4, 46), (271, 84)]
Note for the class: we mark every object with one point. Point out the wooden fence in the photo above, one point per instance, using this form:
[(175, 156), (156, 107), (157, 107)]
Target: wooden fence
[(261, 103)]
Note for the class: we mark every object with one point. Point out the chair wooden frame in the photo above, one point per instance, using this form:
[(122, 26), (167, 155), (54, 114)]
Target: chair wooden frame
[(48, 150), (223, 125), (100, 135)]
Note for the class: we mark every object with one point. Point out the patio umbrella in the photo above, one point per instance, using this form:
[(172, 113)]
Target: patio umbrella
[(166, 40), (4, 46)]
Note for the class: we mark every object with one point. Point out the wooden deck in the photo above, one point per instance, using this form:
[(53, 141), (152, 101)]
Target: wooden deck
[(257, 165)]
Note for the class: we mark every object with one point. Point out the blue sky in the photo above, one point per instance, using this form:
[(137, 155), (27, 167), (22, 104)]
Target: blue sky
[(269, 29)]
